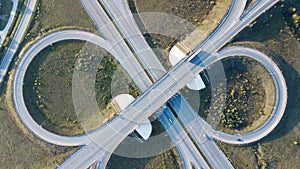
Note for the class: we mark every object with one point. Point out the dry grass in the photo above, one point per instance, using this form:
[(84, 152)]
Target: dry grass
[(56, 14), (19, 147)]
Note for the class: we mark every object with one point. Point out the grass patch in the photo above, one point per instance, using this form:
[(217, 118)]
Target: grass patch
[(6, 9), (20, 148), (250, 95), (56, 14), (191, 10), (48, 88), (110, 81), (244, 103)]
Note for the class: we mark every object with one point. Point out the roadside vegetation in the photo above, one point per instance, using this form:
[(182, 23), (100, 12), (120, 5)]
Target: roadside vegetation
[(20, 149), (275, 34), (292, 15), (48, 88), (52, 15), (110, 81), (192, 10), (245, 94), (6, 9)]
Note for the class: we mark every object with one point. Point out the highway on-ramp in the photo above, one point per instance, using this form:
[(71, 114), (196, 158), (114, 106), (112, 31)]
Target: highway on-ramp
[(20, 75), (18, 85), (281, 97), (200, 130), (121, 15), (187, 117)]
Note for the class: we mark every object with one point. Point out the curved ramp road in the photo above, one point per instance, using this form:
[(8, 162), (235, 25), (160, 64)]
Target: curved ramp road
[(90, 150), (281, 97), (171, 82), (19, 78)]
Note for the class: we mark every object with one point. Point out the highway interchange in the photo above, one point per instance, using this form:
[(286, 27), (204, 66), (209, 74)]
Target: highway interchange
[(98, 149)]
